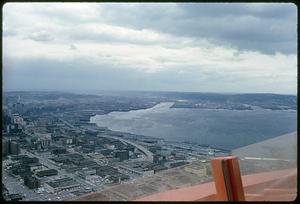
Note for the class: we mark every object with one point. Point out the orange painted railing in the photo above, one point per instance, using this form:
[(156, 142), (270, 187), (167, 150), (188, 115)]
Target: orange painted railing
[(228, 181)]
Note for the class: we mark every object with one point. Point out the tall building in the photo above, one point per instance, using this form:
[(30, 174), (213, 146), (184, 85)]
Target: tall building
[(20, 169), (18, 108), (10, 147), (44, 139), (17, 119), (31, 182), (14, 148), (122, 155), (45, 142), (5, 147)]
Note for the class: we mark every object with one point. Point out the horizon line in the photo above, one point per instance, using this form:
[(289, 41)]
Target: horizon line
[(90, 91)]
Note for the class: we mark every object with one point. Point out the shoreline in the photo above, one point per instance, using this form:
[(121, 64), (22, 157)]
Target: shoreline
[(140, 117)]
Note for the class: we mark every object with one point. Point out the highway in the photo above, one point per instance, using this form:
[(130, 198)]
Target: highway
[(66, 123), (148, 154)]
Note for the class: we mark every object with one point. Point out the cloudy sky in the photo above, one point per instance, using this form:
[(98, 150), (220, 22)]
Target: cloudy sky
[(171, 47)]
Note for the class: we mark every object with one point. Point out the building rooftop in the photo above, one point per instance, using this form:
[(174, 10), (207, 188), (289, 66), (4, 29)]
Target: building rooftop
[(62, 182)]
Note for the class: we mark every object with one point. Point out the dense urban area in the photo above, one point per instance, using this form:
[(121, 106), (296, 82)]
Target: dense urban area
[(51, 151)]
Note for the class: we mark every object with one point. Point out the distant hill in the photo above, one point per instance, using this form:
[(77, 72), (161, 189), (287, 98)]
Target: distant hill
[(182, 99)]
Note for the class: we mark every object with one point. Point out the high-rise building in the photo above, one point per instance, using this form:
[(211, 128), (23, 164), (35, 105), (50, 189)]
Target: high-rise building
[(44, 140), (5, 147), (31, 182), (18, 108), (14, 148), (10, 147), (122, 155), (17, 119)]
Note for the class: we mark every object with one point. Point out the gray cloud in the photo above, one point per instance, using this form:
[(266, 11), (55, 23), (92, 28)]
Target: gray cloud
[(264, 25), (41, 36), (47, 74), (180, 47)]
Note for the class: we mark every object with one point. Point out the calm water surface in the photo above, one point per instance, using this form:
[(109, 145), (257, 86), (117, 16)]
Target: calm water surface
[(220, 128)]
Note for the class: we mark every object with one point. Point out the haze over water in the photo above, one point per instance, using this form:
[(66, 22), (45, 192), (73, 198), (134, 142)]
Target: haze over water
[(228, 129)]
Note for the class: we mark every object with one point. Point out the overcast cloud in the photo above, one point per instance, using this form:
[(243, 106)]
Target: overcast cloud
[(177, 47)]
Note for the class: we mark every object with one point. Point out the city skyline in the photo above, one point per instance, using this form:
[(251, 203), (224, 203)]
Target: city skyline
[(157, 46)]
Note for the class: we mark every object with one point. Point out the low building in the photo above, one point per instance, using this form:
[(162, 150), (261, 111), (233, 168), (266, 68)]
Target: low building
[(94, 178), (139, 168), (106, 152), (110, 146), (18, 157), (155, 149), (91, 132), (61, 184), (29, 160), (48, 172), (86, 173), (36, 168), (165, 152), (118, 177), (106, 170), (59, 151), (157, 158), (72, 169), (159, 168), (175, 164)]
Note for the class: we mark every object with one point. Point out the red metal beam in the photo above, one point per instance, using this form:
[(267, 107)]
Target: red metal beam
[(228, 181)]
